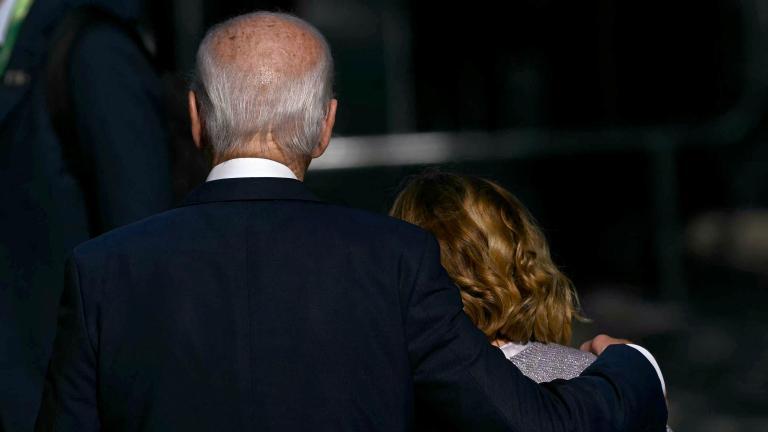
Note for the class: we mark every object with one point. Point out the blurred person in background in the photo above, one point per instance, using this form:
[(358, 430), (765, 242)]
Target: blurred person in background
[(257, 306), (83, 149), (511, 289)]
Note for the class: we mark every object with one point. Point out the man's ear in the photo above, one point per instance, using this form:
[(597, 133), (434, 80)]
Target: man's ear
[(194, 118), (325, 138)]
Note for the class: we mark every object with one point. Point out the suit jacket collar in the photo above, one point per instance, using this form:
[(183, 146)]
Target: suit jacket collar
[(250, 189)]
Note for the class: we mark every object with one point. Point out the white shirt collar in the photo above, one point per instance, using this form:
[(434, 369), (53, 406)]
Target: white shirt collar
[(250, 167)]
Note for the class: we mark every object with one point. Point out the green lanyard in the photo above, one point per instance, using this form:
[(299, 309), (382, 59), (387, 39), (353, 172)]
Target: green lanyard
[(19, 13)]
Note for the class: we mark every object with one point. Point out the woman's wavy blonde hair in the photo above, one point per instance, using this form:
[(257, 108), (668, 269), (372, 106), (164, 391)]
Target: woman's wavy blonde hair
[(493, 250)]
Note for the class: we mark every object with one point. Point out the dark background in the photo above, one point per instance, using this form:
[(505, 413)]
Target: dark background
[(635, 131)]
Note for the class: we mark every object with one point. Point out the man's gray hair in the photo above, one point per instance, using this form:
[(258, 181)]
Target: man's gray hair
[(237, 105)]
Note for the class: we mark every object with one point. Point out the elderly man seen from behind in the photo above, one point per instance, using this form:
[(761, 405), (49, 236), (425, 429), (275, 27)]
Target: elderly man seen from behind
[(256, 306)]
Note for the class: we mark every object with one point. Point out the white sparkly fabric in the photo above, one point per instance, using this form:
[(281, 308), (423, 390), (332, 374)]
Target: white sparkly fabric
[(547, 362)]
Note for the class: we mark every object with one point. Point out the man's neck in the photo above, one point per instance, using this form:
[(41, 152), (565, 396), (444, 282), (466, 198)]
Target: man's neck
[(271, 151)]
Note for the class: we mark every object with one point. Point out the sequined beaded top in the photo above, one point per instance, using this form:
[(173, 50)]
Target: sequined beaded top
[(547, 362)]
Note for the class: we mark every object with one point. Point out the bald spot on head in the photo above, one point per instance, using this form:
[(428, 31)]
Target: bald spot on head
[(267, 47)]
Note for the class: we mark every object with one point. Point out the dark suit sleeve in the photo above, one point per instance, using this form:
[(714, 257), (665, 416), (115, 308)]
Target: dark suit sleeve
[(70, 396), (466, 381), (122, 130)]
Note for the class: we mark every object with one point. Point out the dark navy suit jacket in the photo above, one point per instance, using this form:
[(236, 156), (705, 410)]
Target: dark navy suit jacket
[(255, 306)]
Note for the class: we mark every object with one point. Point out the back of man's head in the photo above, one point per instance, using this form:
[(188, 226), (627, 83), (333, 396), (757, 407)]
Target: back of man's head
[(263, 77)]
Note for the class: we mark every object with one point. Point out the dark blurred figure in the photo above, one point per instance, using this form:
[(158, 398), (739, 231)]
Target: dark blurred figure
[(58, 191)]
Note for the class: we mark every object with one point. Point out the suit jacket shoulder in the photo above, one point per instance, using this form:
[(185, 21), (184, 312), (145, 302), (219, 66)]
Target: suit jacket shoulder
[(360, 227)]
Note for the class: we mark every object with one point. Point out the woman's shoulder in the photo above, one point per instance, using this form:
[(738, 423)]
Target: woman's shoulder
[(547, 362)]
